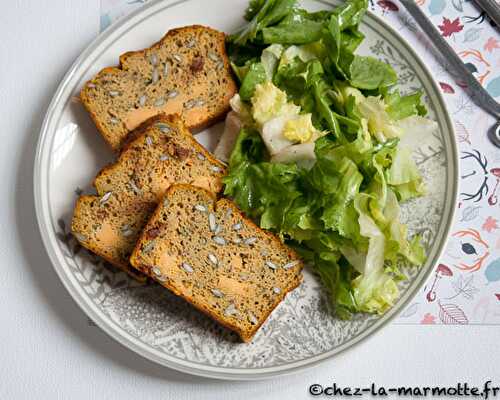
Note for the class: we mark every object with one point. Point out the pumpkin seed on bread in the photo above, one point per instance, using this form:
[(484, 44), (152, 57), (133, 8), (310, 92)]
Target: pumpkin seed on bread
[(162, 152), (187, 73), (207, 252)]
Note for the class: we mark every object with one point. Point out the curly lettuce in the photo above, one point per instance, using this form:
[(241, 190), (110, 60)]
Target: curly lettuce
[(322, 159)]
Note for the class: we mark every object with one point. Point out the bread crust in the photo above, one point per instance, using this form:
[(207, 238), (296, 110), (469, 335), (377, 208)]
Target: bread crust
[(170, 35)]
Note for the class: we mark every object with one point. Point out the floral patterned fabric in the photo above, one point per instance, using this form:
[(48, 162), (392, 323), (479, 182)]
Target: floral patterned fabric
[(465, 286)]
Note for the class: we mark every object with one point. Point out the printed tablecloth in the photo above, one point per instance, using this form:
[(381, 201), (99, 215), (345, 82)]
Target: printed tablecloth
[(465, 286)]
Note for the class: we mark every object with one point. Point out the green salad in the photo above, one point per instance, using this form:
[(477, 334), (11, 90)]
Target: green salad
[(319, 159)]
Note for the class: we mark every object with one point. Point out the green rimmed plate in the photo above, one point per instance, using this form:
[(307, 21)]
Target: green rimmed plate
[(148, 319)]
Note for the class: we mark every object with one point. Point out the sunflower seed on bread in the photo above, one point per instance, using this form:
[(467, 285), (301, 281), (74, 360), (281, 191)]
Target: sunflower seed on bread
[(129, 190), (230, 282), (177, 75)]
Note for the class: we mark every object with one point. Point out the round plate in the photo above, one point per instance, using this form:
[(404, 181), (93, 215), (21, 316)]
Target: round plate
[(150, 320)]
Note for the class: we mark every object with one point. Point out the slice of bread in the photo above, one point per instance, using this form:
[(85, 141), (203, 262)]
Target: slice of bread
[(163, 152), (187, 73), (207, 252)]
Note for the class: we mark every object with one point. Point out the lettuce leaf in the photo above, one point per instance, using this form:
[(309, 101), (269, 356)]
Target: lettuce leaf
[(261, 189), (403, 175), (270, 57), (339, 207), (296, 32), (342, 212), (337, 280), (335, 215), (256, 74), (369, 73), (261, 14), (374, 290), (399, 107)]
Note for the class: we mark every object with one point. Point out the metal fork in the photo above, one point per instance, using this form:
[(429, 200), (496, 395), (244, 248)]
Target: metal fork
[(480, 95), (491, 8)]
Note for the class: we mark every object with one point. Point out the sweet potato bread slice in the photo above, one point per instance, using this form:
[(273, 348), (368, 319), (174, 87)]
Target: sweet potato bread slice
[(207, 252), (187, 73), (163, 152)]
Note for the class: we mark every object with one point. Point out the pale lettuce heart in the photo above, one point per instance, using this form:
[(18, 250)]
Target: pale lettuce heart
[(380, 125), (270, 102), (418, 131), (270, 57), (300, 154), (301, 129), (347, 91), (375, 293), (374, 290), (272, 134), (242, 109), (232, 127)]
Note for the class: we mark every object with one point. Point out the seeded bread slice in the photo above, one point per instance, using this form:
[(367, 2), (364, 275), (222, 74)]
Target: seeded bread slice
[(207, 252), (163, 152), (187, 73)]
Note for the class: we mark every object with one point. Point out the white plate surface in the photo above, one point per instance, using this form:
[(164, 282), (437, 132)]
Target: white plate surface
[(149, 320)]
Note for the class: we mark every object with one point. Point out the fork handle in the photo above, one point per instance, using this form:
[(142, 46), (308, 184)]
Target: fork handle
[(492, 9), (481, 96)]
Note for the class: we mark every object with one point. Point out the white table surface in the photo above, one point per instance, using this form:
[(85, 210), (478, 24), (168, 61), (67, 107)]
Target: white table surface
[(47, 348)]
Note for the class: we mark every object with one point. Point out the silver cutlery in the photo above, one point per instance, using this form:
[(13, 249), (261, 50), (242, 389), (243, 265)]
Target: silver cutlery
[(480, 95), (491, 8)]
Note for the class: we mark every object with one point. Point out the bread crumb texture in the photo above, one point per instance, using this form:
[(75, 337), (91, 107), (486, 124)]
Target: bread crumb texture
[(163, 152), (187, 73), (207, 252)]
